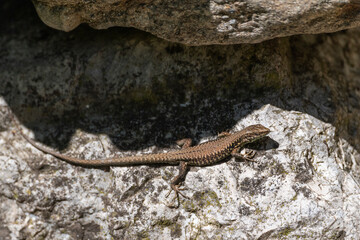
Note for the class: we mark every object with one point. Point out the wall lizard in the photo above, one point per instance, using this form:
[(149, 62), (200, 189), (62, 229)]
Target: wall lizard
[(228, 144)]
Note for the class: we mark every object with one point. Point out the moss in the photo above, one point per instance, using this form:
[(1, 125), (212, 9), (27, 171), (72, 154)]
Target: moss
[(201, 200), (164, 222), (100, 190), (284, 233), (190, 206), (175, 230), (294, 197), (143, 235), (211, 199), (257, 211)]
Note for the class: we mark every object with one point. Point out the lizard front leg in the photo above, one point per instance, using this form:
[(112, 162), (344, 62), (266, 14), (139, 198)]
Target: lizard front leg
[(224, 134), (248, 155)]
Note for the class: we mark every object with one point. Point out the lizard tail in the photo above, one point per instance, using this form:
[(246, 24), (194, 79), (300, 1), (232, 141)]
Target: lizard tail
[(116, 161)]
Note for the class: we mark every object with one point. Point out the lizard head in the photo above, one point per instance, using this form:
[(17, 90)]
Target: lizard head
[(252, 133)]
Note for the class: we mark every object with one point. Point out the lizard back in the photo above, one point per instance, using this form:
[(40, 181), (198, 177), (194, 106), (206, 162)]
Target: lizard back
[(203, 154)]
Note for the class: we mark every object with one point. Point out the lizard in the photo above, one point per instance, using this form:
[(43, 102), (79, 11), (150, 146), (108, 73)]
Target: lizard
[(207, 153)]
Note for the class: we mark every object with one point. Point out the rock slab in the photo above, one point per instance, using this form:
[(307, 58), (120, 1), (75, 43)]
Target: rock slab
[(204, 22)]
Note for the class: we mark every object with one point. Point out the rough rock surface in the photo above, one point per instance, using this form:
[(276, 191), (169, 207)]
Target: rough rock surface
[(96, 94), (206, 21), (301, 186)]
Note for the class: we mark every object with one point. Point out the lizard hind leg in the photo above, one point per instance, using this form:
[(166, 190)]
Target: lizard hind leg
[(176, 182), (184, 143), (183, 169)]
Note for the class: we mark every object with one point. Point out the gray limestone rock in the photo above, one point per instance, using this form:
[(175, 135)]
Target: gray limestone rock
[(204, 22), (303, 184)]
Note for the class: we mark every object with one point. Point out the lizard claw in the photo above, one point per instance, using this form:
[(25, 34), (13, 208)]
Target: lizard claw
[(249, 155), (177, 191)]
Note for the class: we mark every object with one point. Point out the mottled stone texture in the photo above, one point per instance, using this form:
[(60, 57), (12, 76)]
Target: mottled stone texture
[(199, 22), (95, 94)]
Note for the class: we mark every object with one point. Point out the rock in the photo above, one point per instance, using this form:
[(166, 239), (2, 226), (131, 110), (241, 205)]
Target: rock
[(206, 22), (95, 94), (301, 177)]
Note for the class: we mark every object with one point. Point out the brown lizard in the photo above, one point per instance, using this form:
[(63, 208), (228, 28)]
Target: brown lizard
[(228, 144)]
